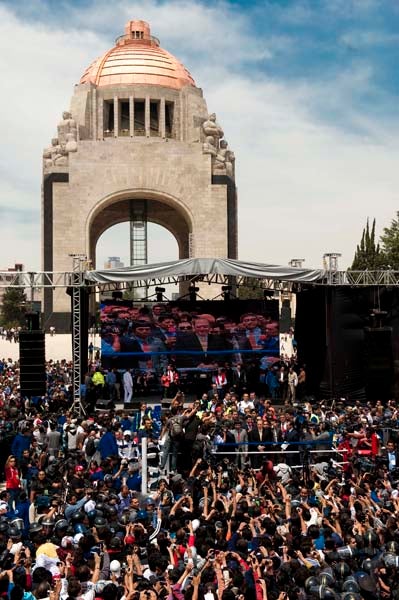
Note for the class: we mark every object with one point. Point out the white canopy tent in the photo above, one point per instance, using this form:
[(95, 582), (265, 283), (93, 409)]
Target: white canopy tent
[(192, 267)]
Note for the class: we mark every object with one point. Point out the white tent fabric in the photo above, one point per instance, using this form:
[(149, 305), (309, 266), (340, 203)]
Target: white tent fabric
[(205, 266)]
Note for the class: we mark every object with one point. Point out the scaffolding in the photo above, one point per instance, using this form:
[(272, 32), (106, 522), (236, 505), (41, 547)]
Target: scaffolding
[(79, 264), (138, 234), (76, 280)]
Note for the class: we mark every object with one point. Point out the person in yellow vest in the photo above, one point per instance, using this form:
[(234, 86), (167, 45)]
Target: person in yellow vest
[(98, 381)]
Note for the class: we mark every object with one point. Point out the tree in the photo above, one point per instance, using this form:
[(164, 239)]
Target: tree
[(390, 244), (13, 308), (249, 292), (368, 254)]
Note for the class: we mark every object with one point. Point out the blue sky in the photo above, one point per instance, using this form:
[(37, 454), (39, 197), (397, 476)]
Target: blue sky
[(306, 91)]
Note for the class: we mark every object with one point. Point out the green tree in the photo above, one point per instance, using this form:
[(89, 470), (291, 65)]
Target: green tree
[(249, 292), (390, 244), (13, 308), (368, 254)]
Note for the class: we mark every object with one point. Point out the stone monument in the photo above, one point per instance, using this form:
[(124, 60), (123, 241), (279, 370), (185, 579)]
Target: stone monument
[(138, 130)]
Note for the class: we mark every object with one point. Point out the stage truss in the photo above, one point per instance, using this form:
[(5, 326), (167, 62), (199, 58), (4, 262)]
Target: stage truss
[(73, 279), (77, 279)]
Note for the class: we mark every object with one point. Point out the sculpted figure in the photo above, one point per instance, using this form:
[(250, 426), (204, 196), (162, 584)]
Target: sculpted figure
[(208, 147), (65, 126), (224, 159), (212, 129), (61, 159), (71, 143), (57, 153), (52, 153)]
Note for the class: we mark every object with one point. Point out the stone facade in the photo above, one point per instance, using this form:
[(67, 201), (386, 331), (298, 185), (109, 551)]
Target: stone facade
[(125, 142)]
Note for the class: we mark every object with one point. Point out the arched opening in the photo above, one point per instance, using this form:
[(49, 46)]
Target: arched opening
[(114, 242), (167, 213)]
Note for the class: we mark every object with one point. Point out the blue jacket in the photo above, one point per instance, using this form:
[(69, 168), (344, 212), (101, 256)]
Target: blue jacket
[(21, 442), (107, 445)]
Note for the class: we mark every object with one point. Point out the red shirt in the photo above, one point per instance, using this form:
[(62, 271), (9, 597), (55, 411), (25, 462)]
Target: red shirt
[(12, 478)]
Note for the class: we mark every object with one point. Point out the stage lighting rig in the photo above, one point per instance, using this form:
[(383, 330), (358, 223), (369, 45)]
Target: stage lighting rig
[(226, 292), (192, 292), (159, 291), (268, 294)]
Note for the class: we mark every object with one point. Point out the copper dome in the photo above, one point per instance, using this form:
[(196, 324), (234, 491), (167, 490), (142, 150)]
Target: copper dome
[(137, 59)]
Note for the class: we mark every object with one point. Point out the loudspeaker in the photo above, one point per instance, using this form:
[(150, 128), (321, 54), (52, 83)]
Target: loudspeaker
[(32, 320), (32, 363), (104, 404), (378, 353)]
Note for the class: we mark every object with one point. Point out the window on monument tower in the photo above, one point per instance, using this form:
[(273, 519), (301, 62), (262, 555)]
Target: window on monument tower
[(139, 117), (154, 117), (124, 117), (108, 118), (169, 132)]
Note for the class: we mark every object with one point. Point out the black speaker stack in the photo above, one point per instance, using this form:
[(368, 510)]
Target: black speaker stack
[(379, 362), (32, 359)]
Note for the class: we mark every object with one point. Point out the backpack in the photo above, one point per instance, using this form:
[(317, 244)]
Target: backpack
[(90, 447), (176, 428)]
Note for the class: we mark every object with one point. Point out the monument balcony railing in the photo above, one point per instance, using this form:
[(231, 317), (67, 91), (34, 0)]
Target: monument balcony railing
[(120, 39)]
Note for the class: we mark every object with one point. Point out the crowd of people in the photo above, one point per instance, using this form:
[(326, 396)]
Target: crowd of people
[(246, 498), (160, 345), (11, 334)]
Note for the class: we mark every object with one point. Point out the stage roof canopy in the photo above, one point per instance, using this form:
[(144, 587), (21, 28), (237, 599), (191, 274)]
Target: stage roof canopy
[(192, 267)]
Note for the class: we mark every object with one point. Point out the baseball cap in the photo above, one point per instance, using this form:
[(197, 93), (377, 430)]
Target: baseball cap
[(115, 567)]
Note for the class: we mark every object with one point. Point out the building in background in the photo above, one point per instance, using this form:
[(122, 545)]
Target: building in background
[(137, 145), (114, 262)]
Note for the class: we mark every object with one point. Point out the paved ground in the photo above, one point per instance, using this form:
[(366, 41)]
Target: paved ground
[(58, 347)]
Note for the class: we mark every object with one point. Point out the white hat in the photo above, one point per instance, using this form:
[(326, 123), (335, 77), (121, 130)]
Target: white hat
[(127, 432), (89, 505), (77, 537), (195, 524), (66, 541), (115, 567)]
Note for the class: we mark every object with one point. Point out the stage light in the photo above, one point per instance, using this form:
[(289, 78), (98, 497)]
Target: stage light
[(226, 292), (159, 293), (192, 292)]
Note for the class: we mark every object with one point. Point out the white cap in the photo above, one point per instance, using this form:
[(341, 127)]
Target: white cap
[(77, 537), (195, 524), (115, 567)]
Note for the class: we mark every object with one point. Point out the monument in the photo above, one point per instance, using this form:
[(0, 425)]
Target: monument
[(137, 145)]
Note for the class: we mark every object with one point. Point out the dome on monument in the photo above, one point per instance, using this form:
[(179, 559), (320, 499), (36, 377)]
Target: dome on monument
[(137, 58)]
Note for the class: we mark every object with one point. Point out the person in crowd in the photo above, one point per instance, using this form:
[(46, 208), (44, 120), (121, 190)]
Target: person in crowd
[(256, 437), (127, 386), (316, 519), (203, 348), (13, 481)]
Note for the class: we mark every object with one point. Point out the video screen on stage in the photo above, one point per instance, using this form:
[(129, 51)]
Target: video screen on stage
[(197, 339)]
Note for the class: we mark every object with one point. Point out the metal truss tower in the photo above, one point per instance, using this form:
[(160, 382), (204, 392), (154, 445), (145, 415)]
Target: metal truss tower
[(79, 264), (138, 233)]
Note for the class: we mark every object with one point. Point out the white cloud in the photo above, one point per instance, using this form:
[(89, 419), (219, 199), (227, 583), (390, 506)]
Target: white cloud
[(365, 39), (311, 164)]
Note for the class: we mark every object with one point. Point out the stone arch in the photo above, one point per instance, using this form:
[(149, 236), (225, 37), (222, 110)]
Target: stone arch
[(162, 209)]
